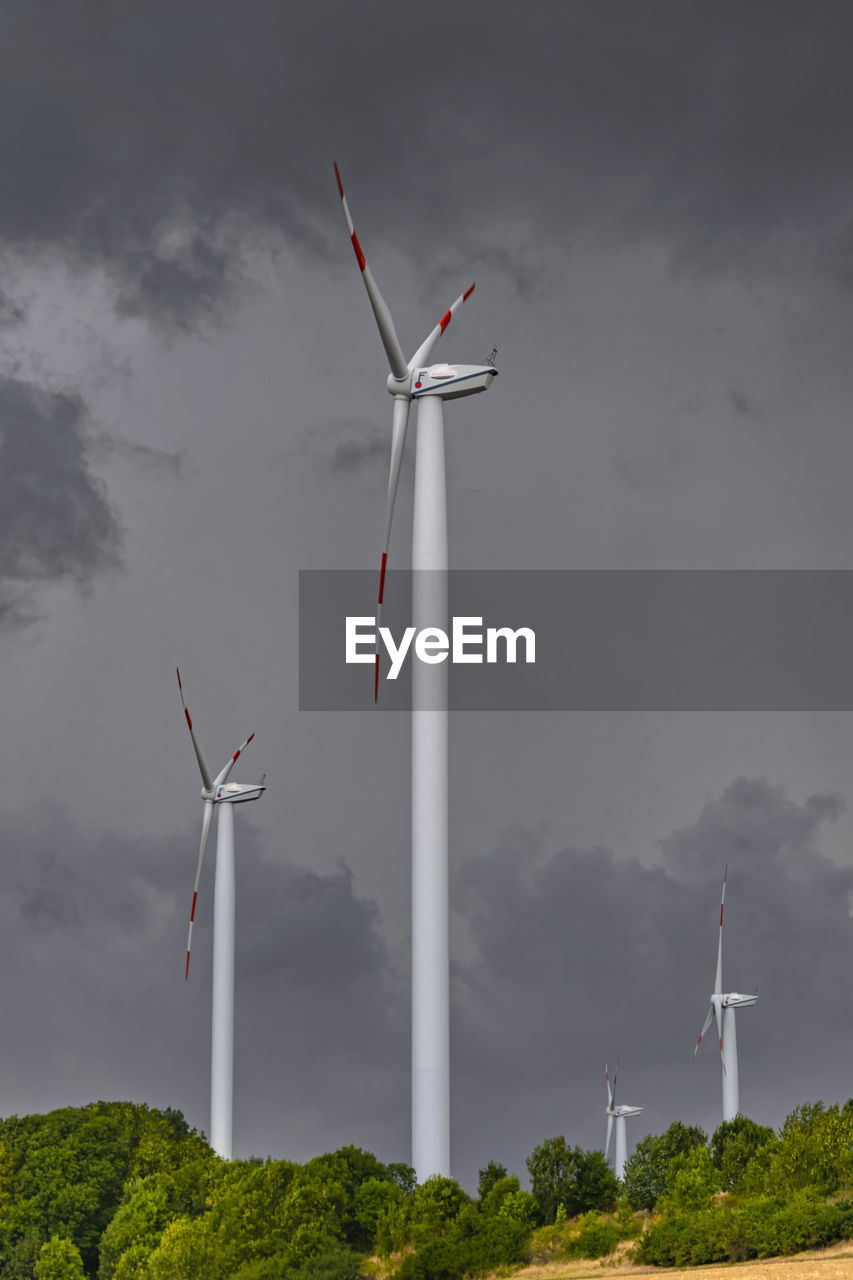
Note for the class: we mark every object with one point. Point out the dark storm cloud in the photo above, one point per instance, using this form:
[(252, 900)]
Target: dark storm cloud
[(93, 939), (56, 521), (353, 447), (572, 957), (156, 139), (581, 957), (366, 451), (105, 445)]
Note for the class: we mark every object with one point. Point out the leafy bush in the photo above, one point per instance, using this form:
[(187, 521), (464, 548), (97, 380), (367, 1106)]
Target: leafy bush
[(759, 1228), (595, 1239)]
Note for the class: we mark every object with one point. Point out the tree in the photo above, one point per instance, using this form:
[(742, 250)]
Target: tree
[(815, 1150), (492, 1173), (691, 1180), (733, 1146), (569, 1176), (435, 1205), (59, 1259), (646, 1169)]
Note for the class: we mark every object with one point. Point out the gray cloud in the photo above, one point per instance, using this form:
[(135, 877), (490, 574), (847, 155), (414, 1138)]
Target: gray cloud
[(581, 956), (56, 521), (573, 956), (159, 157), (98, 926), (105, 445)]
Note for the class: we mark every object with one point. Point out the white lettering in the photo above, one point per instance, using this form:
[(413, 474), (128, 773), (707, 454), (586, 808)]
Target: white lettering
[(461, 638), (432, 645), (511, 638), (397, 656), (355, 639)]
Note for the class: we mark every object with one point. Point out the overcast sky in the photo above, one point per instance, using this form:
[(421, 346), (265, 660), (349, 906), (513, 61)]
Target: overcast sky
[(656, 202)]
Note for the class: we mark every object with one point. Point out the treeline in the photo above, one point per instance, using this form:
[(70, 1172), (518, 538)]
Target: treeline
[(750, 1192), (115, 1191)]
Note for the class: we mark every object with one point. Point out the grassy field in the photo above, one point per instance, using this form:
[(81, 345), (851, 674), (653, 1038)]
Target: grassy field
[(834, 1263)]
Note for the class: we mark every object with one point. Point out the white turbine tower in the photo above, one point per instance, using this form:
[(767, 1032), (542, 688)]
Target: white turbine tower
[(723, 1006), (221, 794), (431, 385), (619, 1114)]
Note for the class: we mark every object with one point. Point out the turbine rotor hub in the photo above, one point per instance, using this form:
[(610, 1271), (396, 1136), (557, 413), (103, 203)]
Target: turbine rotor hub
[(399, 386)]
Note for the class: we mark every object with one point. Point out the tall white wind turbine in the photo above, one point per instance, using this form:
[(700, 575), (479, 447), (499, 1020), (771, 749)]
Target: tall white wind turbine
[(619, 1114), (222, 795), (430, 385), (723, 1006)]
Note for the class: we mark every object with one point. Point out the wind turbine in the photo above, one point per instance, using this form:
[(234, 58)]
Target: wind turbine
[(221, 794), (723, 1006), (619, 1114), (430, 385)]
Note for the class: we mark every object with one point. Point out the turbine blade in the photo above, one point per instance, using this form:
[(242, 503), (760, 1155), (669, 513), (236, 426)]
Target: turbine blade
[(718, 976), (424, 351), (609, 1134), (225, 773), (615, 1078), (399, 427), (205, 832), (719, 1012), (387, 332), (609, 1090), (705, 1025), (202, 763)]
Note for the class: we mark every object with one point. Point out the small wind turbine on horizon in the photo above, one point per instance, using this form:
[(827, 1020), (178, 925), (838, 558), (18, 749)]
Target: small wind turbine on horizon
[(723, 1006), (221, 794), (430, 385), (619, 1114)]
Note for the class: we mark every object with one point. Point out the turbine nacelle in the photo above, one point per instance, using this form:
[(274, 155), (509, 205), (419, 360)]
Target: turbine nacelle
[(238, 793), (451, 382), (736, 1001), (623, 1111)]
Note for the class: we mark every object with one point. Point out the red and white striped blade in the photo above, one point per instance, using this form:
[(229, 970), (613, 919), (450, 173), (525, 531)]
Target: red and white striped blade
[(705, 1025), (202, 763), (609, 1090), (718, 976), (225, 773), (398, 444), (424, 351), (387, 332), (205, 832)]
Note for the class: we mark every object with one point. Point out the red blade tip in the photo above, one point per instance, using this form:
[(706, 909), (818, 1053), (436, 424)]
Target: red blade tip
[(467, 294), (338, 176)]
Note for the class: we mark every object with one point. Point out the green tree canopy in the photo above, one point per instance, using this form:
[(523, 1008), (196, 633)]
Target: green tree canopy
[(734, 1145), (489, 1175), (646, 1169), (59, 1259), (569, 1176)]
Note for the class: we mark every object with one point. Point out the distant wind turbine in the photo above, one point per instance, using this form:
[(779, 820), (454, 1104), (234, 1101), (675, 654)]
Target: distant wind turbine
[(430, 385), (723, 1006), (619, 1114), (218, 792)]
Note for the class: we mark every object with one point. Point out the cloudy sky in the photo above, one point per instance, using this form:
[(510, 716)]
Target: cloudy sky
[(657, 205)]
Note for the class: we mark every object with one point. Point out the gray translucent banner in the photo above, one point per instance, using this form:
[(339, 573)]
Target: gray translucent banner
[(656, 640)]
